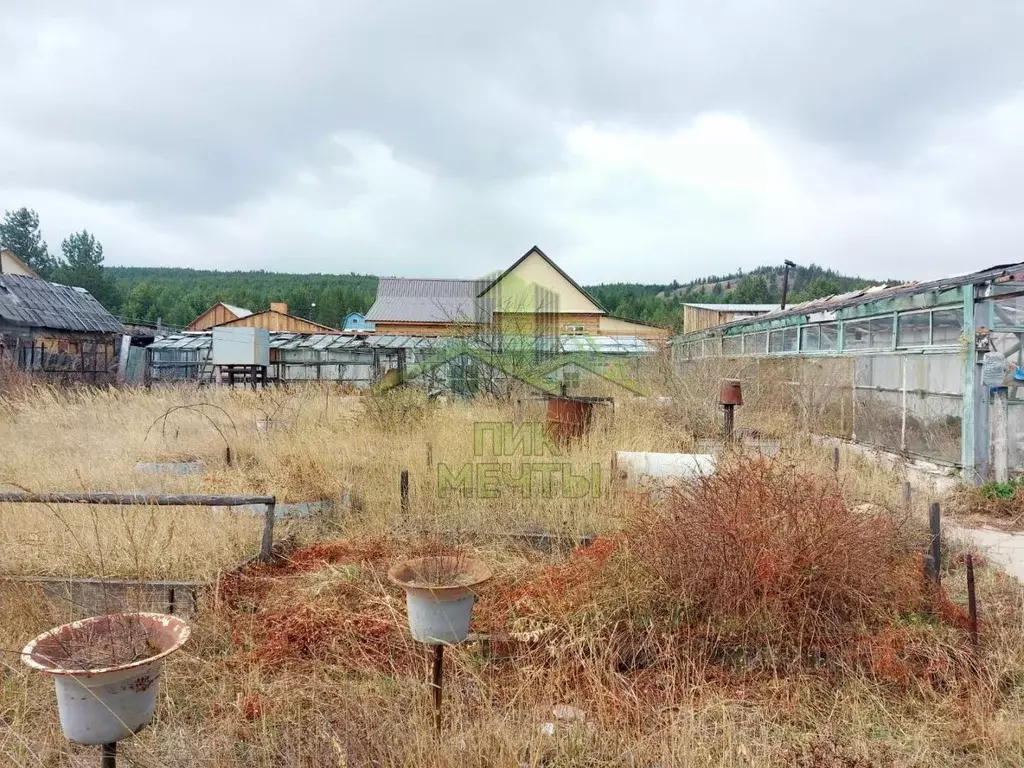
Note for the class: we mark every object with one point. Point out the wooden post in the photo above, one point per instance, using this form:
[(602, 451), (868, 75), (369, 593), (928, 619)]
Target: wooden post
[(267, 545), (403, 488), (1000, 435), (430, 455), (122, 358), (972, 603), (935, 548), (730, 421), (906, 494), (835, 459)]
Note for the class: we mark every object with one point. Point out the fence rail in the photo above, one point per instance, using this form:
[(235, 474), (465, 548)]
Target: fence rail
[(158, 500)]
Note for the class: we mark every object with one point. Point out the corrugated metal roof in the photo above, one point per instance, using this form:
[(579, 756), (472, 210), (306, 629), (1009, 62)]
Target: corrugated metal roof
[(36, 303), (569, 344), (739, 308), (416, 300)]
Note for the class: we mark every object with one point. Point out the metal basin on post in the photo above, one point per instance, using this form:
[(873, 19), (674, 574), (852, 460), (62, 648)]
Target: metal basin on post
[(105, 705), (569, 418), (729, 396)]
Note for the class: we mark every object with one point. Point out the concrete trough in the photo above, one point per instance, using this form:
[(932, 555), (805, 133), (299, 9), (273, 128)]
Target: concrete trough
[(639, 467), (170, 467)]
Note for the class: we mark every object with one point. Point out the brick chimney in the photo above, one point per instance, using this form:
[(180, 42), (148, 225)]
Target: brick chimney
[(279, 306)]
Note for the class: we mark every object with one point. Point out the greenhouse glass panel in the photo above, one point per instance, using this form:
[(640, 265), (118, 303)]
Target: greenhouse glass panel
[(829, 337), (755, 343), (947, 326), (913, 330), (732, 346), (810, 338)]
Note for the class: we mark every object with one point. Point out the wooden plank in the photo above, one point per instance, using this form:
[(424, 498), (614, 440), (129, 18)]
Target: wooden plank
[(131, 499)]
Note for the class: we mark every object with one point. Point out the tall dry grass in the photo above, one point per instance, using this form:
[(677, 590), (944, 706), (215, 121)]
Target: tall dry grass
[(310, 663)]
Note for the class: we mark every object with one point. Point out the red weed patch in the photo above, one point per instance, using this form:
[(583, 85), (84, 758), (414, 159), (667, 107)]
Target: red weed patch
[(315, 556)]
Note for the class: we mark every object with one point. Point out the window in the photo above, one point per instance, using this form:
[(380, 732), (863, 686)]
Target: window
[(732, 346), (914, 329), (810, 338), (829, 337), (875, 333), (783, 340), (712, 347), (755, 343), (947, 326), (575, 328)]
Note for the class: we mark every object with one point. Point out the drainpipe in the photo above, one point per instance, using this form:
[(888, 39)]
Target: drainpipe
[(785, 280)]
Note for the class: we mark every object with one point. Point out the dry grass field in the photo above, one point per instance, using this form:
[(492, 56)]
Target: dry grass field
[(775, 614)]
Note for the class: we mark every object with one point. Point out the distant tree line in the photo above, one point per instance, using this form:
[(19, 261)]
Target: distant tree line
[(177, 296)]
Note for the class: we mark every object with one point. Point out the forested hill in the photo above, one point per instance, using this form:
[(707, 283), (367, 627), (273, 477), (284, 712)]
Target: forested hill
[(177, 296), (660, 303)]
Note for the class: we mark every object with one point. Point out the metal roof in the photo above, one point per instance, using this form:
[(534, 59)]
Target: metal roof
[(609, 345), (419, 300), (238, 312), (1014, 273), (738, 308), (36, 303)]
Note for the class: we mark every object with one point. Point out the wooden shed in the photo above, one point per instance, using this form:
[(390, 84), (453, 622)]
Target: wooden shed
[(56, 329), (700, 317)]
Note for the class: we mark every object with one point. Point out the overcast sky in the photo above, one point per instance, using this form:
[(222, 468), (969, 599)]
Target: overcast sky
[(641, 140)]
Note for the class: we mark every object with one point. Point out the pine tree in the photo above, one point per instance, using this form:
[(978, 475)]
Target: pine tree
[(19, 233)]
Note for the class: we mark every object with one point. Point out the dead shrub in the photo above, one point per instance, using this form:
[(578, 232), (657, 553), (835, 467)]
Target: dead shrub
[(767, 556)]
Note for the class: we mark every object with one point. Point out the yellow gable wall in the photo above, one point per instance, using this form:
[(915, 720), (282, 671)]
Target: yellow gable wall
[(516, 293), (12, 265)]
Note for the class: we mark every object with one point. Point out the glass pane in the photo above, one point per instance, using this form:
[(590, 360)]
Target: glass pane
[(829, 336), (790, 339), (947, 326), (809, 338), (913, 330), (776, 345), (856, 334), (712, 347), (732, 346), (881, 332), (755, 343), (1008, 312)]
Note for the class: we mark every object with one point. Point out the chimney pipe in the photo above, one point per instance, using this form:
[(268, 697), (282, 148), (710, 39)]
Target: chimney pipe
[(785, 281)]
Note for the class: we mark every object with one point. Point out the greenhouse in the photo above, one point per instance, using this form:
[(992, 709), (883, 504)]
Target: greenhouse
[(898, 367)]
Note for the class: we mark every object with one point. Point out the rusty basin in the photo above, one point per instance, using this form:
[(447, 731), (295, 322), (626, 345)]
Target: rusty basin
[(570, 418)]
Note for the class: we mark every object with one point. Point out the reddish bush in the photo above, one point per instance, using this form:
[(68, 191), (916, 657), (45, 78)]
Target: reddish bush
[(765, 555)]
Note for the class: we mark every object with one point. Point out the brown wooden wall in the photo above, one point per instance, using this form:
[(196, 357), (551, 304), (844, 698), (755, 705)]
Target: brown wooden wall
[(215, 315), (277, 322)]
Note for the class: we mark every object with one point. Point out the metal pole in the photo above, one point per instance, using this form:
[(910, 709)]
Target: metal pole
[(972, 603), (108, 755), (934, 523), (436, 680), (730, 416), (403, 487)]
